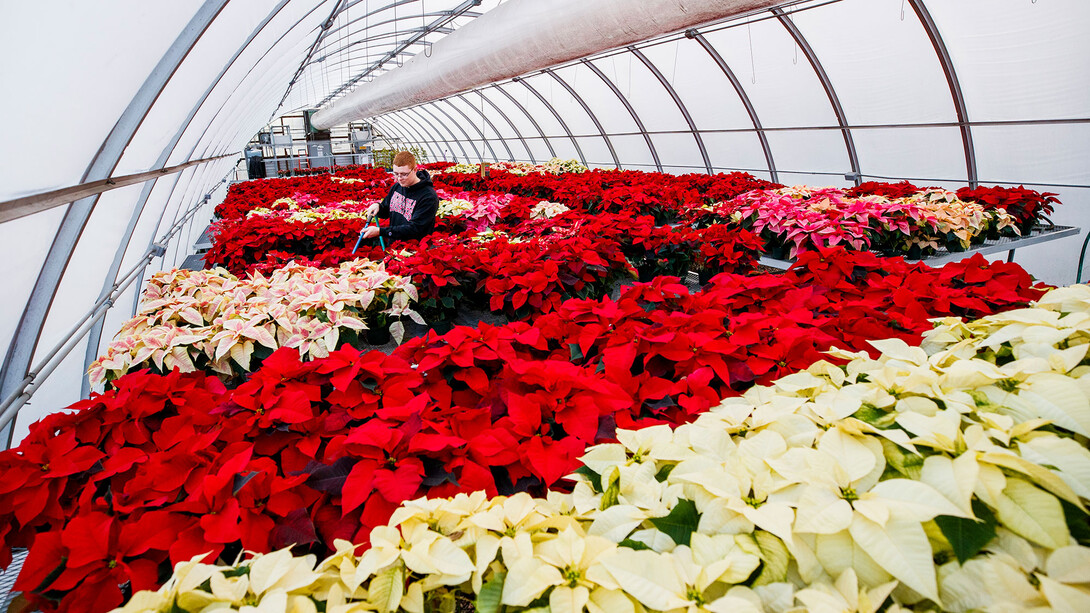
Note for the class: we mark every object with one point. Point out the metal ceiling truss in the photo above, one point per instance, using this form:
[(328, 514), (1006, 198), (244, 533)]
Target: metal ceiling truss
[(484, 117), (830, 91), (415, 137), (412, 127), (438, 134), (593, 118), (367, 16), (409, 141), (757, 127), (631, 111), (518, 105), (680, 105), (390, 55), (412, 123), (326, 25), (518, 133), (391, 127), (334, 61), (563, 124), (25, 339), (427, 108), (480, 129), (395, 32)]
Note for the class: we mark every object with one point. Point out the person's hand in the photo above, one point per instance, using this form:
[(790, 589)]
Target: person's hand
[(372, 211), (370, 232)]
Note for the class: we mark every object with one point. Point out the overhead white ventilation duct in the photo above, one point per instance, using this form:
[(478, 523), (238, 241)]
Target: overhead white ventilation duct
[(521, 36)]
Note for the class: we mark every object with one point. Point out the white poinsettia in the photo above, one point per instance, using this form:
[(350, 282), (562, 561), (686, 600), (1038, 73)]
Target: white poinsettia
[(570, 564), (192, 319)]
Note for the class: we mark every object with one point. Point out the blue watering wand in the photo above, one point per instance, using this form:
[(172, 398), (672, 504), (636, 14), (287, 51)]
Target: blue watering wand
[(381, 242)]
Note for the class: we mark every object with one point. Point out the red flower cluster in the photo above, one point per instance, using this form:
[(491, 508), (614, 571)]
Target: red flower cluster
[(619, 191), (1026, 205), (357, 183), (166, 467)]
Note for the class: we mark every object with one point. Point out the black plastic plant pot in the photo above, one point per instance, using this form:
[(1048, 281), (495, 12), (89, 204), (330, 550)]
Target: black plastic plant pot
[(378, 335)]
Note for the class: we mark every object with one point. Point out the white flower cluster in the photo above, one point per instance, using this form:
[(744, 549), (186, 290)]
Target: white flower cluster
[(547, 210), (213, 315)]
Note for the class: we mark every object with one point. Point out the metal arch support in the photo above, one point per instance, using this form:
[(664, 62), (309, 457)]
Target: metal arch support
[(484, 139), (212, 121), (563, 124), (402, 117), (631, 111), (593, 117), (548, 143), (518, 133), (955, 87), (698, 37), (402, 46), (680, 105), (424, 108), (412, 128), (224, 106), (407, 128), (29, 330), (398, 133), (401, 129), (485, 119), (437, 133), (323, 30), (830, 91), (95, 334)]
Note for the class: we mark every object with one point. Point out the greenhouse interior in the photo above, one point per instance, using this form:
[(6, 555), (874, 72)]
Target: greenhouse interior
[(568, 305)]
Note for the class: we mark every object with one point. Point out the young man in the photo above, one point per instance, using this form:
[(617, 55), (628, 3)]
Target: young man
[(410, 205)]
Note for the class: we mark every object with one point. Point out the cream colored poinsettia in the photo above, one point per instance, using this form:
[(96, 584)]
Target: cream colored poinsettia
[(217, 320)]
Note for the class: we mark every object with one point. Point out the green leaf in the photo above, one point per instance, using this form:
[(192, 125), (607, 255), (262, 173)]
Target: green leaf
[(631, 544), (775, 558), (386, 589), (664, 473), (576, 352), (680, 523), (1077, 522), (488, 601), (612, 494), (968, 536), (595, 478)]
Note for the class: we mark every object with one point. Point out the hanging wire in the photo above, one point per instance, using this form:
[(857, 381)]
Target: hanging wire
[(752, 62), (673, 71), (629, 57), (348, 35), (424, 30), (902, 10), (367, 34), (344, 31), (794, 41)]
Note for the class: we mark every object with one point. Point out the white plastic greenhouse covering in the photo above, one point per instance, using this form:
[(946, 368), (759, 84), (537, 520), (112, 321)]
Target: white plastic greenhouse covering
[(126, 118)]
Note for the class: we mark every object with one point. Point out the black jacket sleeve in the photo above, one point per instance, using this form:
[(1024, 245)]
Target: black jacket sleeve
[(384, 206), (422, 223)]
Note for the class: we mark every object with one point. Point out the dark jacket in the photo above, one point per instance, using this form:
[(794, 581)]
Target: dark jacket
[(411, 210)]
